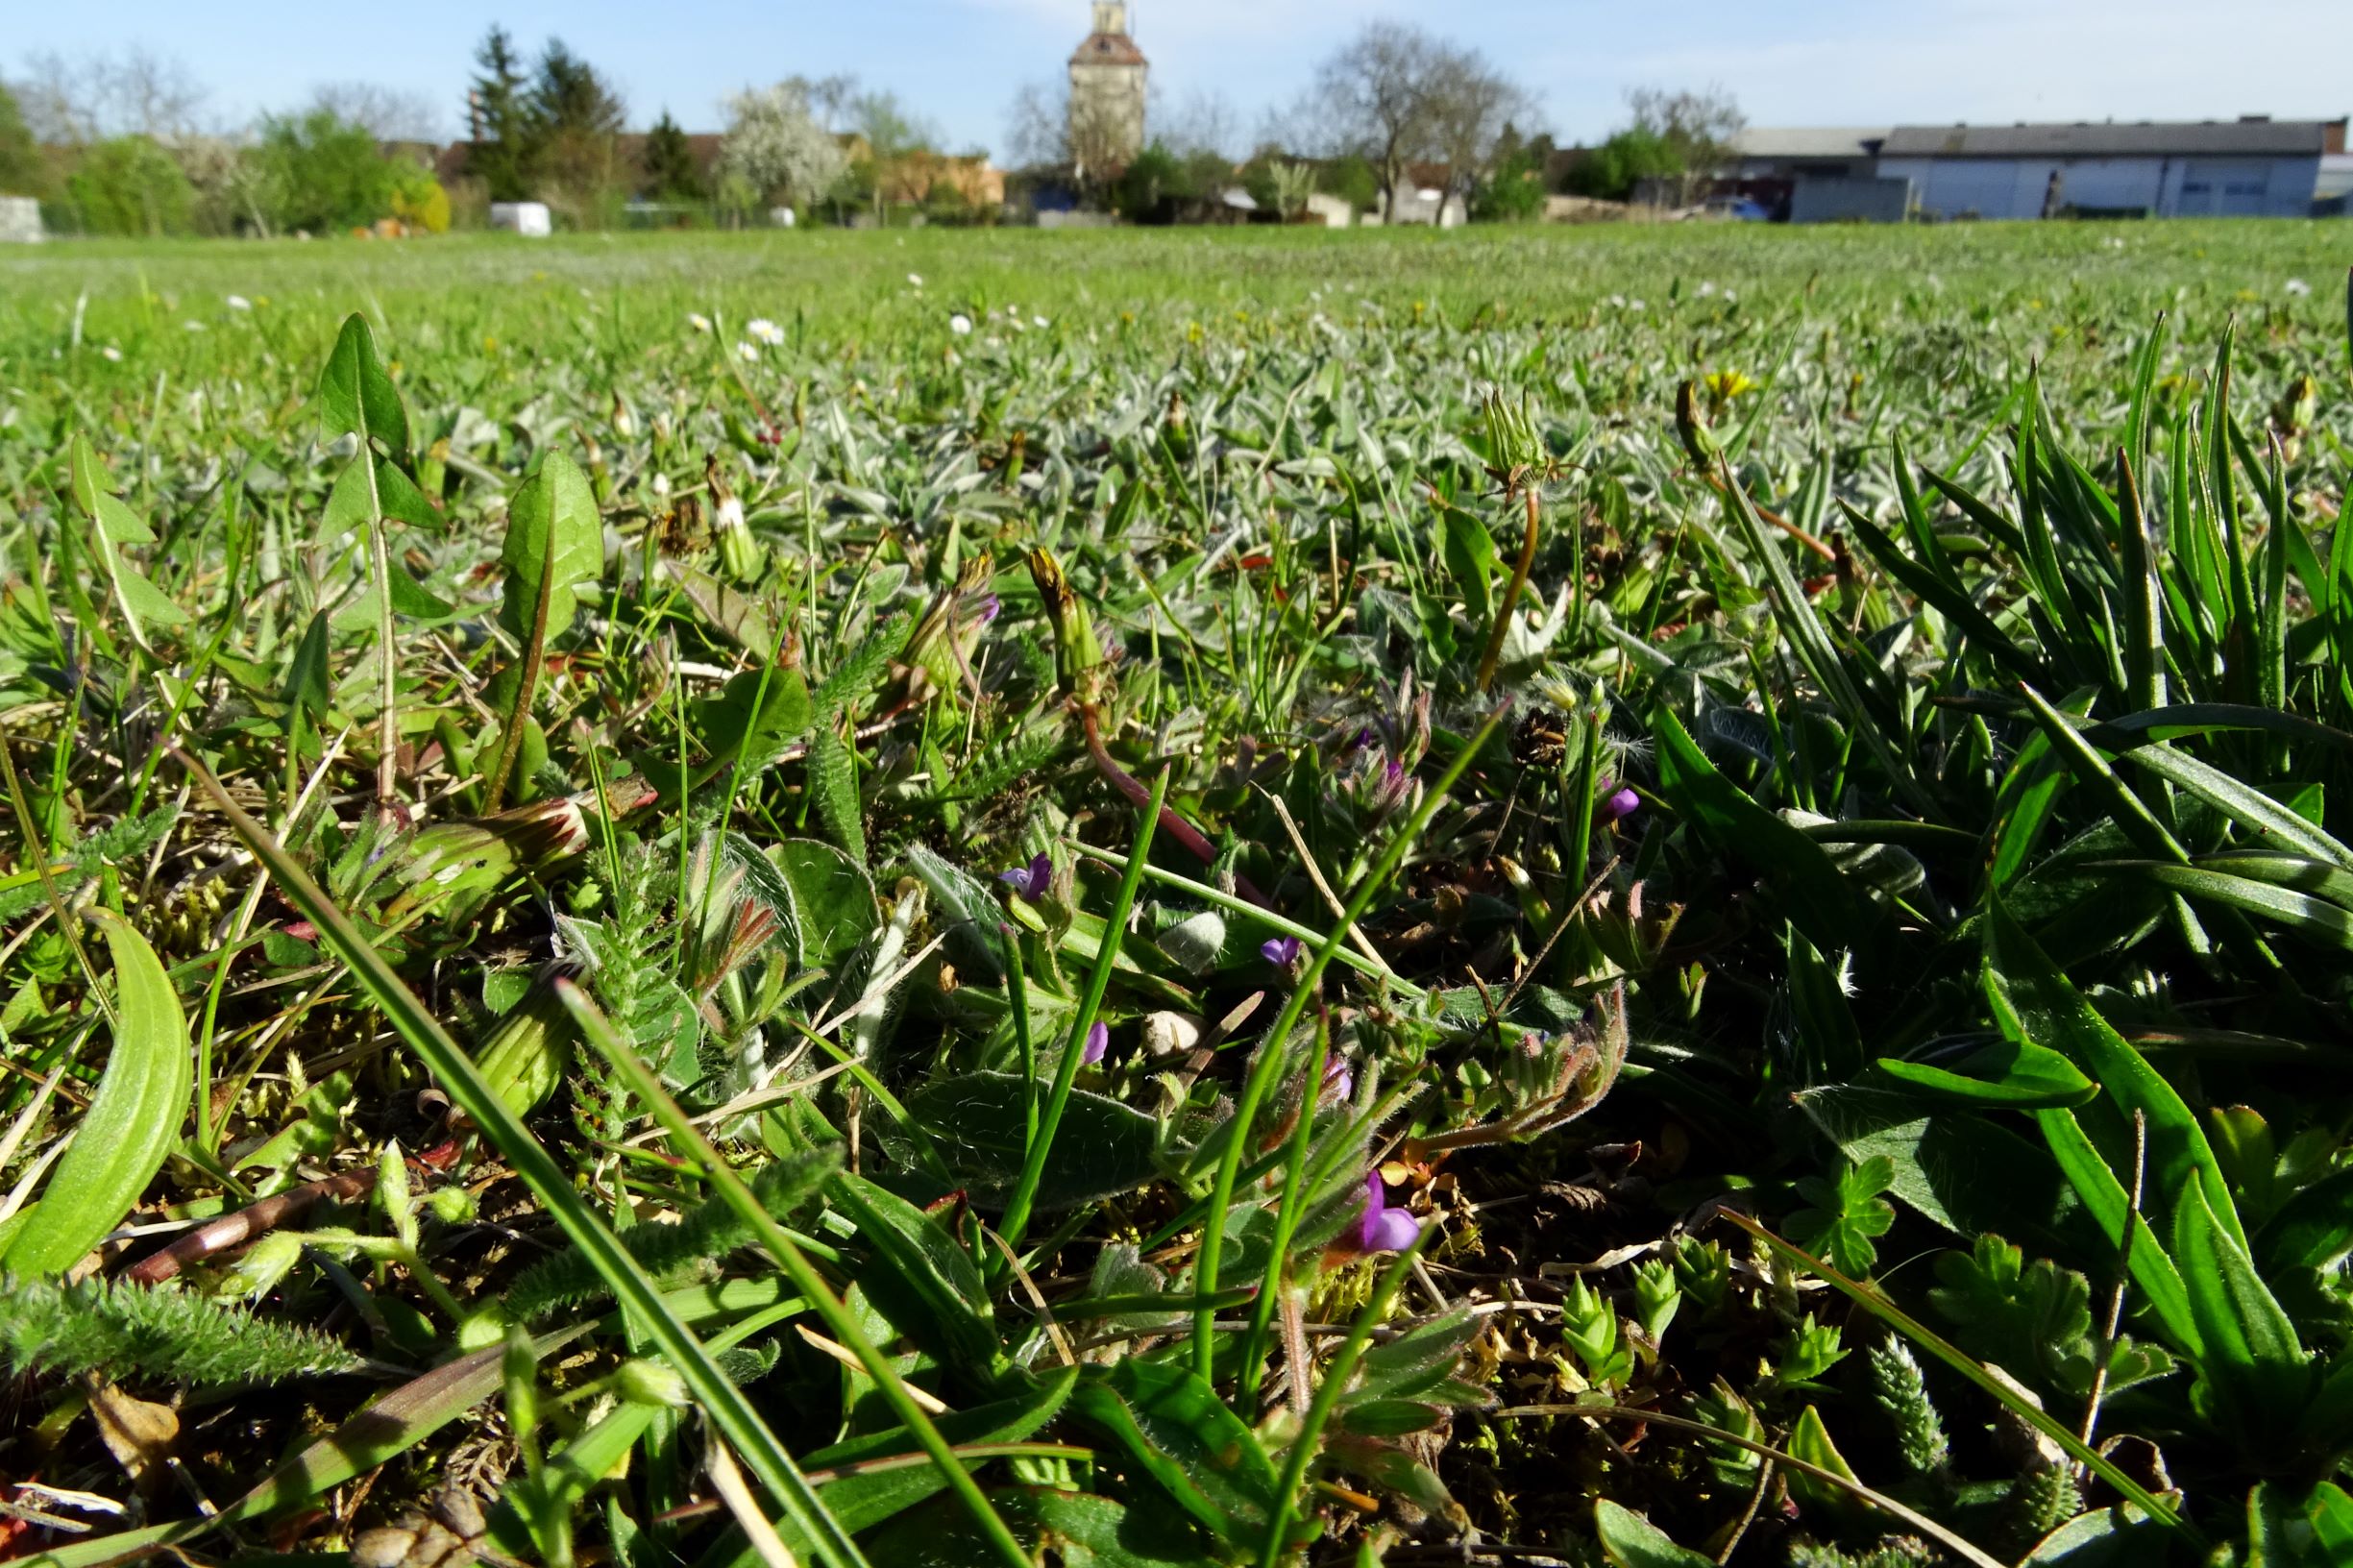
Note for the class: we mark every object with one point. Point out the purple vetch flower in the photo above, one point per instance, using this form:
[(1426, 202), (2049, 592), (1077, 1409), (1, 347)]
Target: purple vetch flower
[(1280, 951), (1098, 1040), (1030, 881), (1385, 1229), (1618, 800), (1339, 1083), (990, 606)]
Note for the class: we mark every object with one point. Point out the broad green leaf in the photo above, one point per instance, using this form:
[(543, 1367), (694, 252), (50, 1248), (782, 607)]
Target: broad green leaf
[(2153, 1269), (554, 545), (2011, 1073), (977, 1126), (2319, 920), (2313, 1229), (920, 1278), (132, 1121), (1810, 1440), (1185, 1437), (831, 906), (1631, 1541), (1469, 554), (356, 395), (861, 1501), (2034, 1005), (1962, 1171), (2254, 1372)]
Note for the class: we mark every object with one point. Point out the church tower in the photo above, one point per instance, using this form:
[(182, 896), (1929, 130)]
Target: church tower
[(1108, 77)]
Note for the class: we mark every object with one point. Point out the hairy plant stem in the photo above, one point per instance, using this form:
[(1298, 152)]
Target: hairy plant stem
[(1489, 659)]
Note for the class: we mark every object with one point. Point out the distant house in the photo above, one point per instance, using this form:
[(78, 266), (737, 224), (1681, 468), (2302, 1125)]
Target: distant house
[(2250, 167)]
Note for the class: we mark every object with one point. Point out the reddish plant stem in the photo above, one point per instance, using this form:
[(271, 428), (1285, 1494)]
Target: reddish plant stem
[(256, 1219), (1170, 823)]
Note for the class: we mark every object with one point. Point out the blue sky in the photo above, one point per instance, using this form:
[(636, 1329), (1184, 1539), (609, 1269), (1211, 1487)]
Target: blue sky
[(959, 62)]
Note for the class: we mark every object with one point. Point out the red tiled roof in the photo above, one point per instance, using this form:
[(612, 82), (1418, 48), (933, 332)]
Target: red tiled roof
[(1109, 49)]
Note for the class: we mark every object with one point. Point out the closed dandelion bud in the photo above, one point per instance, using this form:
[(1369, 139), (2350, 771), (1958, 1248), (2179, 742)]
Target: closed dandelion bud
[(1699, 441), (739, 556), (526, 1056), (1511, 435), (624, 419), (1901, 1392), (1076, 652), (652, 1383)]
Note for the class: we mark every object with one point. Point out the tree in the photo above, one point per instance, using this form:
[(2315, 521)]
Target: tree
[(1696, 129), (579, 118), (1612, 170), (892, 137), (135, 93), (1044, 136), (504, 120), (775, 149), (1514, 189), (1395, 95), (23, 171), (388, 113), (131, 185), (671, 173), (1154, 180), (324, 172)]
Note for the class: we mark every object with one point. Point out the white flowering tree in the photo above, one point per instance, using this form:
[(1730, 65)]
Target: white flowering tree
[(776, 147)]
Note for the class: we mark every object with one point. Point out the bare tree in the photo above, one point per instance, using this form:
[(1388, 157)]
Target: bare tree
[(389, 113), (1396, 95), (1471, 104), (1699, 128), (1373, 97), (1206, 122), (75, 102)]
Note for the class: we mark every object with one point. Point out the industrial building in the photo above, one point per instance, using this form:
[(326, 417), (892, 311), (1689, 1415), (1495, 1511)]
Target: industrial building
[(2251, 167)]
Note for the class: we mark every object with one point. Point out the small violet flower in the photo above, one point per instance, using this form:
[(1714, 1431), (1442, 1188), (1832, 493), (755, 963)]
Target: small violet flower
[(1030, 881), (1339, 1082), (1280, 951), (1618, 800), (1098, 1040), (1385, 1229)]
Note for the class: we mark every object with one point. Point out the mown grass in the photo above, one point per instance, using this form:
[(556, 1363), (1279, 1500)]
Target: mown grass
[(1831, 746)]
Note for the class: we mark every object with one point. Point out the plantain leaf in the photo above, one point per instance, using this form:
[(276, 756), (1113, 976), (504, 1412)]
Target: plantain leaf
[(555, 543), (977, 1126), (133, 1121), (920, 1278)]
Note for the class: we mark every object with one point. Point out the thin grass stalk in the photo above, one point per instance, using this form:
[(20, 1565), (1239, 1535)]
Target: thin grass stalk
[(845, 1328), (505, 1132), (1099, 981), (1344, 1367), (1287, 1224), (1494, 651), (1956, 1543), (1277, 1039)]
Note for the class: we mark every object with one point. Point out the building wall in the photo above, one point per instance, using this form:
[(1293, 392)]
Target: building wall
[(2005, 187)]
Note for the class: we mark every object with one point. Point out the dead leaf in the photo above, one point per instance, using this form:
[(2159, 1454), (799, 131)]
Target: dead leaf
[(139, 1434)]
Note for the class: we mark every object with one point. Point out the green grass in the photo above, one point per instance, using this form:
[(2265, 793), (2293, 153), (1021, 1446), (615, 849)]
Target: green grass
[(1849, 724)]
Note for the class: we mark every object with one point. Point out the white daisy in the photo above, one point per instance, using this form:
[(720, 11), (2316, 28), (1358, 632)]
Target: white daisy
[(2297, 289), (764, 330), (1040, 321), (698, 321), (915, 280), (113, 353), (960, 324), (746, 350), (238, 302), (193, 324)]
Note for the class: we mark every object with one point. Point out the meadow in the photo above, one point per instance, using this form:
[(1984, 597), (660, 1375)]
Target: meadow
[(1652, 895)]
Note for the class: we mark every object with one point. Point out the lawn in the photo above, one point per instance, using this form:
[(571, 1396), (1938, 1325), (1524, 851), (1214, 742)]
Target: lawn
[(1650, 895)]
